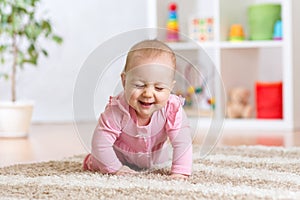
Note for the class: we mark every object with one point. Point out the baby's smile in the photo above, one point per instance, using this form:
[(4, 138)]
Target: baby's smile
[(146, 104)]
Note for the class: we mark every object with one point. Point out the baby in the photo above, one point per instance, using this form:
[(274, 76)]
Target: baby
[(133, 131)]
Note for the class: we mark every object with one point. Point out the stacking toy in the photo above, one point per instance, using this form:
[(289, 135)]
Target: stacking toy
[(236, 33), (172, 24)]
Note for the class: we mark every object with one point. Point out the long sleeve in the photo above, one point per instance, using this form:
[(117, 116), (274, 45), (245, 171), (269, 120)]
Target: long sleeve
[(105, 134), (179, 133)]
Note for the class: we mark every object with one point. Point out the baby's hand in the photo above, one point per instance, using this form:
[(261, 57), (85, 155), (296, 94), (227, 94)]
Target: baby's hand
[(125, 170), (179, 176)]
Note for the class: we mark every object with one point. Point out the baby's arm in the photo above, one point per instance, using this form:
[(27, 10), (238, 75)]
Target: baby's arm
[(182, 152), (179, 133), (105, 135), (102, 149)]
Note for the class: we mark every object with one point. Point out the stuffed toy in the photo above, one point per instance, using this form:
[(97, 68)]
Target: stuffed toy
[(238, 106)]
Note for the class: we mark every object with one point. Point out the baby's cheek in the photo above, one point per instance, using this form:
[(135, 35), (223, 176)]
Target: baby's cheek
[(163, 97), (129, 93)]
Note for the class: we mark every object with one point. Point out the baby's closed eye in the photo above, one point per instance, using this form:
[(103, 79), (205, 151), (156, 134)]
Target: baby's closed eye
[(159, 88), (138, 85)]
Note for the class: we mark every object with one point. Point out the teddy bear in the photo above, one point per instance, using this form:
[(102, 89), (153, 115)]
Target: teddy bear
[(238, 106)]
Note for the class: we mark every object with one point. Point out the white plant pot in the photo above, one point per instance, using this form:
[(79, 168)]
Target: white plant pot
[(15, 118)]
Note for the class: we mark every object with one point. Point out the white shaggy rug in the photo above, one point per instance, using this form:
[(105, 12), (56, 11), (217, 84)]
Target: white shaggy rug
[(242, 172)]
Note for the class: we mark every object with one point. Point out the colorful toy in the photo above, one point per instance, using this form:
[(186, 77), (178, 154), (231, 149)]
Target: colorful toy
[(172, 24), (212, 102), (188, 100), (238, 106), (277, 35), (198, 90), (201, 29), (269, 100), (236, 33), (193, 90), (261, 20)]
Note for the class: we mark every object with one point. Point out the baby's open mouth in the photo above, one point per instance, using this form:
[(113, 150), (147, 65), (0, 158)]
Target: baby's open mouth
[(145, 103)]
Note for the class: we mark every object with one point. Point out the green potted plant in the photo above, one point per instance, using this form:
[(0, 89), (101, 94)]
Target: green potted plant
[(21, 32)]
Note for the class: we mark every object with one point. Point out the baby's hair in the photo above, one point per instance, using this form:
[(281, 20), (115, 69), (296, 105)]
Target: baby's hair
[(149, 49)]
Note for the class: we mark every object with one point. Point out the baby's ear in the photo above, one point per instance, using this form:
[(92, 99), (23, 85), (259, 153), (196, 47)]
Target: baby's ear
[(123, 78)]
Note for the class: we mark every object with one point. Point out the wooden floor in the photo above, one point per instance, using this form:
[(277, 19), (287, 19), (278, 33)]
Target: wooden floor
[(56, 141)]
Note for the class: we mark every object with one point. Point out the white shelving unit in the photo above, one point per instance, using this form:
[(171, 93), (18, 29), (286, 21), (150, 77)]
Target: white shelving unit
[(244, 63)]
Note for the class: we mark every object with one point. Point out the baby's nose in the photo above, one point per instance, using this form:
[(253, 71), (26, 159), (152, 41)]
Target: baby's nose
[(148, 91)]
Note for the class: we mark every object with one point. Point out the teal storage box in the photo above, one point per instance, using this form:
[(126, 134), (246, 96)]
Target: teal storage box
[(262, 18)]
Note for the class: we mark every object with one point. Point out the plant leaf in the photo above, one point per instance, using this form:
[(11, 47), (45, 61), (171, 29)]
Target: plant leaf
[(57, 39), (45, 52), (5, 76)]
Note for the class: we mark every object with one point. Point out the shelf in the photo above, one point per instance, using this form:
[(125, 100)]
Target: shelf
[(250, 44), (240, 63), (225, 45), (190, 45), (244, 124)]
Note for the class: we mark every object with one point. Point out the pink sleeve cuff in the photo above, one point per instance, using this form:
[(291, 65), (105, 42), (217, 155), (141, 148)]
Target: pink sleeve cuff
[(111, 170), (176, 169)]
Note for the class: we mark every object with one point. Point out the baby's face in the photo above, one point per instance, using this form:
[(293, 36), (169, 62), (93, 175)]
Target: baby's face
[(148, 85)]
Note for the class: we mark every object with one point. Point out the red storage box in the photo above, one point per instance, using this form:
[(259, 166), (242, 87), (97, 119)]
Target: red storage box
[(269, 100)]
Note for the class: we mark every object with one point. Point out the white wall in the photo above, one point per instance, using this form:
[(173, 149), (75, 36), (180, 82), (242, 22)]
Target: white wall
[(84, 25)]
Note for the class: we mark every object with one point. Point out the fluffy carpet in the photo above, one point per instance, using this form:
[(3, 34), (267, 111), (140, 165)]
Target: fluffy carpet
[(242, 172)]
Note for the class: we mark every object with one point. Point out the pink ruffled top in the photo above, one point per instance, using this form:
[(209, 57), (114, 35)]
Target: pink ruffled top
[(118, 139)]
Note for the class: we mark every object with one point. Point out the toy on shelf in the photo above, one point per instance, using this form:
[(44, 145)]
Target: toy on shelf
[(236, 33), (194, 88), (277, 34), (212, 102), (172, 24), (261, 20), (238, 106), (269, 100), (201, 29), (191, 90)]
